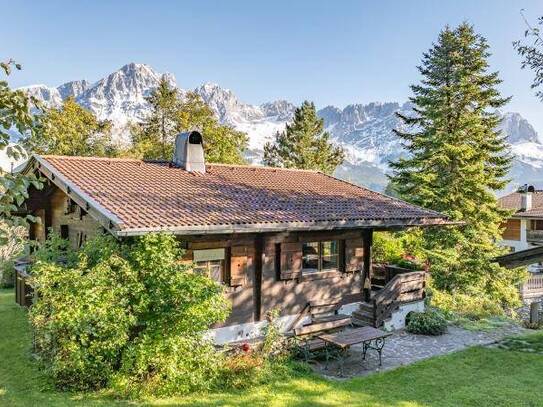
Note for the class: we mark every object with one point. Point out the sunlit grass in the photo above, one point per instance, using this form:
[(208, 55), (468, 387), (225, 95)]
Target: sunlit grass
[(474, 377)]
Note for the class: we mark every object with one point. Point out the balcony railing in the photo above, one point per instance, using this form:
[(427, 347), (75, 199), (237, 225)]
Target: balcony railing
[(533, 288), (534, 235)]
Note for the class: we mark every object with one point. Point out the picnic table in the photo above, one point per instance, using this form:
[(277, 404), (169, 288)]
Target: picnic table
[(369, 337)]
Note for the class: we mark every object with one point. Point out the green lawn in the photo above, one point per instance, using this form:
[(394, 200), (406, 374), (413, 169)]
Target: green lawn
[(476, 377)]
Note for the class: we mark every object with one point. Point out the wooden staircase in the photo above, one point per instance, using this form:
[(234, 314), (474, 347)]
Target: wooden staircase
[(387, 296)]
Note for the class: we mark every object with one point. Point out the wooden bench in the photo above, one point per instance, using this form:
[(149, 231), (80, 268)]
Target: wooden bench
[(324, 319)]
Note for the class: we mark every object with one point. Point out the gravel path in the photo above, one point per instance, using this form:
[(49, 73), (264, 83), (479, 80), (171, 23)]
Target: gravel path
[(403, 348)]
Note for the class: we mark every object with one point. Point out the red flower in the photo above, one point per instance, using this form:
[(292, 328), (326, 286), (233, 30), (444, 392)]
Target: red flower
[(245, 347)]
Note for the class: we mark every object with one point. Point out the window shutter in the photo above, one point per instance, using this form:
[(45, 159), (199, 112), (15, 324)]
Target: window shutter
[(354, 255), (291, 261), (238, 265)]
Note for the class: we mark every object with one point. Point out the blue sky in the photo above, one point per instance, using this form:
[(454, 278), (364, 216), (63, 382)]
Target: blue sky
[(331, 52)]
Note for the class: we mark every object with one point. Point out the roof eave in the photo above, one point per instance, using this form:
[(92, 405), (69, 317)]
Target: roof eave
[(106, 218), (289, 227)]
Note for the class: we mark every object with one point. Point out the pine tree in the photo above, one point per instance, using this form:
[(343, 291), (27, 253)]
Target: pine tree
[(70, 130), (304, 144), (154, 138), (457, 161), (172, 114)]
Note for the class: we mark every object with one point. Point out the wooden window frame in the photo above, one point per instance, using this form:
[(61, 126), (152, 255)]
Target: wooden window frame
[(211, 256), (320, 269)]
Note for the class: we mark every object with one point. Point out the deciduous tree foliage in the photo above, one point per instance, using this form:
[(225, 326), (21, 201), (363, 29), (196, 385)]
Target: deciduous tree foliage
[(532, 52), (457, 161), (304, 144), (70, 130), (14, 115), (173, 113)]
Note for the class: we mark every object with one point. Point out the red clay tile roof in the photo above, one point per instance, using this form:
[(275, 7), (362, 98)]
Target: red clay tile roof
[(154, 195), (512, 201)]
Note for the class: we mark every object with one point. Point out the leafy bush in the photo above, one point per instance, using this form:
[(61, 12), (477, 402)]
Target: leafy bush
[(129, 316), (410, 264), (429, 322), (250, 365), (386, 248), (475, 305), (399, 248), (7, 274)]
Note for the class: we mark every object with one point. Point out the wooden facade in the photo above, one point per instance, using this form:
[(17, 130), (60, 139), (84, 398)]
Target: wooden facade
[(264, 271), (511, 229), (61, 214)]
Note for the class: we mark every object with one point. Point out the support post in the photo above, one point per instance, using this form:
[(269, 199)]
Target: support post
[(257, 291), (534, 313), (367, 238)]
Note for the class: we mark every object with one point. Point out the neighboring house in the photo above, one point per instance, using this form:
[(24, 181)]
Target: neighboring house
[(524, 229), (274, 237)]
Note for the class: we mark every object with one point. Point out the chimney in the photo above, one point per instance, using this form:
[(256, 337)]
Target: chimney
[(526, 193), (189, 152)]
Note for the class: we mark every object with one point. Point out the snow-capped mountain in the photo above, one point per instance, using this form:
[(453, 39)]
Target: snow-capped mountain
[(364, 130)]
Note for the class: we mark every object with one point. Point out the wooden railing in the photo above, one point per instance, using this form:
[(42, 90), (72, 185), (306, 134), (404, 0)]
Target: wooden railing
[(533, 287), (534, 235), (405, 287)]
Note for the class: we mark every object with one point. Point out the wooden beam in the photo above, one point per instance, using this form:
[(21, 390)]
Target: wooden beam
[(257, 289), (367, 236)]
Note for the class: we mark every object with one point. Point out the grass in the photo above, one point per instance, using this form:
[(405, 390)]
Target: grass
[(475, 377), (532, 343)]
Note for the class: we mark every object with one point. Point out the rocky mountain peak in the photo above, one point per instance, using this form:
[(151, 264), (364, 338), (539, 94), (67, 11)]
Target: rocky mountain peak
[(280, 109), (73, 88), (518, 129), (50, 97), (226, 105)]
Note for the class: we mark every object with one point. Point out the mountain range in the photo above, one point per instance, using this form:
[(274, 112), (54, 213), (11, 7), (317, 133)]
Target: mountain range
[(364, 130)]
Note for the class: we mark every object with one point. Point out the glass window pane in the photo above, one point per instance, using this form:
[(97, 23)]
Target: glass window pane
[(329, 248), (311, 248), (310, 251), (329, 262), (215, 270)]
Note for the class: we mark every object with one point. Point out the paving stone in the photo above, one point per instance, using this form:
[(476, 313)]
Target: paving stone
[(403, 348)]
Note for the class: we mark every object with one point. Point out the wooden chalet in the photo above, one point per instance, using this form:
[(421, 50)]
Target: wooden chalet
[(274, 237)]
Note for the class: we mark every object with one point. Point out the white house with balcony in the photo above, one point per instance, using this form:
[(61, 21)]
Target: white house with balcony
[(524, 230)]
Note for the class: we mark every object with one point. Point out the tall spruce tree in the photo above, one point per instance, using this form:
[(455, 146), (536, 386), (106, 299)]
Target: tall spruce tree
[(304, 144), (457, 161), (172, 114)]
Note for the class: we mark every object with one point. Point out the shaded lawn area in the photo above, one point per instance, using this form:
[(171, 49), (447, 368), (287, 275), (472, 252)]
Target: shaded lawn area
[(475, 377)]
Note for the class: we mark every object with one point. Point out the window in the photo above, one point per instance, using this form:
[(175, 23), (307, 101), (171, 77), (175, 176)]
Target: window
[(64, 231), (210, 262), (320, 256)]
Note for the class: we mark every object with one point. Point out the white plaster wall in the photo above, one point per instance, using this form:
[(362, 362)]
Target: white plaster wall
[(397, 320), (253, 330)]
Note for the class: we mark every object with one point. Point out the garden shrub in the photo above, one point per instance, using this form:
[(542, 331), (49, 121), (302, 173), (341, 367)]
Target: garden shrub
[(7, 274), (254, 364), (475, 305), (429, 322), (130, 316)]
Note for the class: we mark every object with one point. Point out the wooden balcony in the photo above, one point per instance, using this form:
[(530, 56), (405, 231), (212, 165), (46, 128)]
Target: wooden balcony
[(533, 288), (534, 235)]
